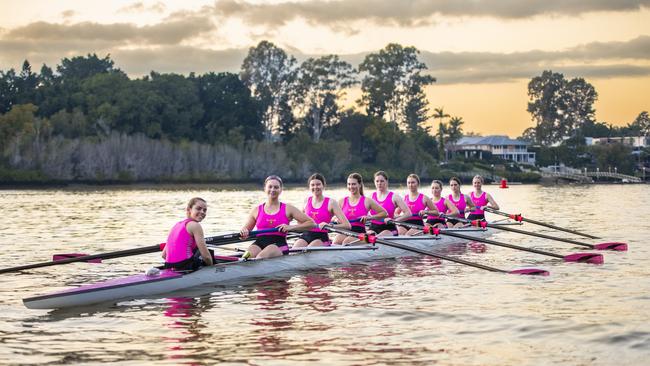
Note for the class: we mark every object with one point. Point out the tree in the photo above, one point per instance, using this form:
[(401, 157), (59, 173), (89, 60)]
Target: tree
[(560, 108), (321, 82), (80, 67), (642, 123), (394, 84), (455, 130), (228, 104), (439, 113), (270, 74)]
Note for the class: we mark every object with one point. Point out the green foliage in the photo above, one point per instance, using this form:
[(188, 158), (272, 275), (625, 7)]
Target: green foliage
[(393, 86), (613, 156), (559, 107)]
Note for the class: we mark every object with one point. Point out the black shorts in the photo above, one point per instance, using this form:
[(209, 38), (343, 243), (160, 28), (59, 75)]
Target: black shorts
[(476, 216), (378, 228), (190, 264), (453, 221), (436, 221), (358, 229), (310, 236), (415, 221), (279, 241)]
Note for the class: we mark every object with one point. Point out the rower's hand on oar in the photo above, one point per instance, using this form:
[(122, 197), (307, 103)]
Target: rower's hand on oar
[(283, 228), (322, 225), (243, 233)]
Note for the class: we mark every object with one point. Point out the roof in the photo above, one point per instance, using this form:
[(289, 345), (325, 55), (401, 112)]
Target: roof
[(490, 140)]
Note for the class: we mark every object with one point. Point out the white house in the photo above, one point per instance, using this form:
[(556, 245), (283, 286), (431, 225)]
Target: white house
[(501, 146)]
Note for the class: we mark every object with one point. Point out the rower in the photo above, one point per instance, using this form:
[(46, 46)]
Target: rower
[(273, 214), (355, 208), (185, 248), (460, 200), (390, 202), (480, 199), (443, 205), (321, 209), (418, 203)]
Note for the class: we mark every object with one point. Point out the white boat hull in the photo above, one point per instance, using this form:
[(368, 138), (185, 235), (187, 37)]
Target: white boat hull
[(139, 286)]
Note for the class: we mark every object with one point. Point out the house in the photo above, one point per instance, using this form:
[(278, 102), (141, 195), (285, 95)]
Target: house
[(500, 146), (635, 142)]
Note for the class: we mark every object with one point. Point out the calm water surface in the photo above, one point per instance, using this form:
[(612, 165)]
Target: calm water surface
[(412, 310)]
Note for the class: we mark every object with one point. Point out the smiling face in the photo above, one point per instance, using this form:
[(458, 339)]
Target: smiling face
[(198, 211), (436, 189), (353, 186), (316, 187), (273, 188), (412, 184), (381, 183), (476, 182)]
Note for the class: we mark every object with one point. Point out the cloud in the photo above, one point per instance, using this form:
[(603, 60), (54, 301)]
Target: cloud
[(66, 14), (593, 60), (140, 7), (171, 31), (410, 12)]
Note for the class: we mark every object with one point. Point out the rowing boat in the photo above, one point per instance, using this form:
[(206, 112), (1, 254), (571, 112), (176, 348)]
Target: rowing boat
[(165, 281)]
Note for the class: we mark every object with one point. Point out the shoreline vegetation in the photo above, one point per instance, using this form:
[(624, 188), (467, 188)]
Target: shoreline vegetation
[(89, 123)]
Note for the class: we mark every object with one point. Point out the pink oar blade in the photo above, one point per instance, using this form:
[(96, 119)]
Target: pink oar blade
[(530, 272), (592, 258), (618, 246), (59, 257)]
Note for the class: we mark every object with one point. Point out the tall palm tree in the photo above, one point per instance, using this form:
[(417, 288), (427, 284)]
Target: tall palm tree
[(439, 113), (455, 131)]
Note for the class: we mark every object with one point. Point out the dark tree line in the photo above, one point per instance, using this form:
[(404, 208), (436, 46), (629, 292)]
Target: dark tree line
[(272, 100)]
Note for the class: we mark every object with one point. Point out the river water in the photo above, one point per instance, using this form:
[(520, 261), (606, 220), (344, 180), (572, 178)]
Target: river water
[(412, 310)]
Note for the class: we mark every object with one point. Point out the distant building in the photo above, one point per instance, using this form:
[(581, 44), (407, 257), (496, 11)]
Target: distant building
[(633, 141), (500, 146)]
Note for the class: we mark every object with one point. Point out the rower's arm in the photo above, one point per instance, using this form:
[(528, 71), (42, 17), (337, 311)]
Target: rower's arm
[(406, 211), (373, 205), (199, 238), (250, 223), (335, 209), (469, 203), (431, 207), (304, 222), (453, 210), (491, 202)]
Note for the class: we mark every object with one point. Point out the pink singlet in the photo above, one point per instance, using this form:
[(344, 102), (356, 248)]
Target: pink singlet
[(479, 201), (387, 204), (460, 204), (442, 208), (180, 244), (266, 221), (415, 206), (355, 212), (321, 214)]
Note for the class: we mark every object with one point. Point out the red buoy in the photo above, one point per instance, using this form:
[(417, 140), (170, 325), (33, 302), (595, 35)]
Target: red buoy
[(504, 183)]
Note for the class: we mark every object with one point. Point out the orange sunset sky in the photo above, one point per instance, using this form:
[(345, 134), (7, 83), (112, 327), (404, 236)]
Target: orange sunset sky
[(482, 52)]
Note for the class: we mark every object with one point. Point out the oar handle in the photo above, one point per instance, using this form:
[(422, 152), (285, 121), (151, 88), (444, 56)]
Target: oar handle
[(237, 236)]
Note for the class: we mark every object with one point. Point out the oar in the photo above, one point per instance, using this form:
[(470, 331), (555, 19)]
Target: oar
[(218, 239), (109, 255), (600, 246), (374, 239), (520, 218), (214, 240), (592, 258)]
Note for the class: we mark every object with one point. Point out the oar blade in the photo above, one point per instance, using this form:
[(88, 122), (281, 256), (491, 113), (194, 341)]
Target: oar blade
[(60, 257), (530, 272), (618, 246), (591, 258)]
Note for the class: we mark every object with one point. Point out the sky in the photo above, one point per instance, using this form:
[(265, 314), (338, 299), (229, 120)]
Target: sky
[(482, 52)]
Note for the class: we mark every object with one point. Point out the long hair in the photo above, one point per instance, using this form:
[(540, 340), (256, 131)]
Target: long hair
[(193, 201), (359, 179)]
